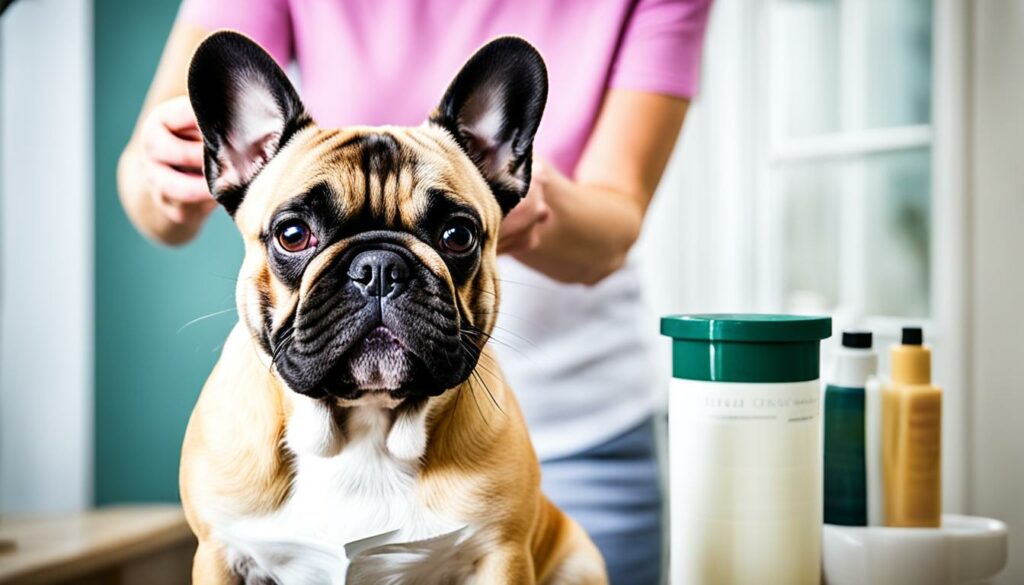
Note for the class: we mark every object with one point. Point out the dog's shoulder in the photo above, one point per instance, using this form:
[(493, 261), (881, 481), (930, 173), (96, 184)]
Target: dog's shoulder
[(233, 460)]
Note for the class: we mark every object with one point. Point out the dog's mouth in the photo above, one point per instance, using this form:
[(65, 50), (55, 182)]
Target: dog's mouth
[(380, 361)]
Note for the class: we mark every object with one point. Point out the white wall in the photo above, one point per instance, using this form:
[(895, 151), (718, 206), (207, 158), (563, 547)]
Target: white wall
[(46, 186), (996, 185)]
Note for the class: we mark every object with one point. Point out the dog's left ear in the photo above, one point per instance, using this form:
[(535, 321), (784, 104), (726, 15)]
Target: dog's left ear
[(246, 109), (493, 108)]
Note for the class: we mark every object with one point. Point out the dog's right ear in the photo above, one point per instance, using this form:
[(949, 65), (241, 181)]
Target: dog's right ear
[(246, 109), (493, 108)]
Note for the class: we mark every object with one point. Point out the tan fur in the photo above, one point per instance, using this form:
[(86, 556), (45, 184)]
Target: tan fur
[(479, 465)]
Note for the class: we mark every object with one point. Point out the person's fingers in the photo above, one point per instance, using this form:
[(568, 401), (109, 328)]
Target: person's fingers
[(181, 213), (538, 171), (517, 220), (543, 212), (171, 210), (520, 221), (201, 209), (177, 115), (164, 147), (521, 242), (532, 239), (178, 186), (536, 207), (508, 245), (531, 209), (536, 197), (520, 230)]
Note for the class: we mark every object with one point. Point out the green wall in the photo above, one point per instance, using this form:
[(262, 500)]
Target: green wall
[(148, 373)]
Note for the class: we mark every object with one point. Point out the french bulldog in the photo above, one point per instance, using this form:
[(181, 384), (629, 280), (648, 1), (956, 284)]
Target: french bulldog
[(356, 426)]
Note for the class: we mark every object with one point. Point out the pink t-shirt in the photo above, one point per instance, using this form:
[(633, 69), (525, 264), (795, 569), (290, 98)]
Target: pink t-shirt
[(580, 358), (379, 62)]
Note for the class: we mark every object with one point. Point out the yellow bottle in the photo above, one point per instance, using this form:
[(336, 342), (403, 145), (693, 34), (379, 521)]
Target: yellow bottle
[(912, 437)]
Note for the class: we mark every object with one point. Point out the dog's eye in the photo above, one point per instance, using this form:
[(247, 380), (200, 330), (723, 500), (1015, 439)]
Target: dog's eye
[(458, 237), (295, 236)]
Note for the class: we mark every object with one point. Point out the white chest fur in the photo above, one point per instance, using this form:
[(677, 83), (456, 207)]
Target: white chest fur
[(353, 480)]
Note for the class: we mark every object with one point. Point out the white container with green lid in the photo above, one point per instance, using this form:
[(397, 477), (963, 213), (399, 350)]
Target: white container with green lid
[(745, 448)]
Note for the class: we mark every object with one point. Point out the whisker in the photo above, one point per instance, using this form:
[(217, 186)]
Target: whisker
[(478, 409), (232, 278), (458, 396), (203, 318), (468, 349), (488, 389), (448, 358), (491, 337), (483, 290), (518, 336), (526, 284), (490, 359), (525, 320), (487, 370), (281, 346)]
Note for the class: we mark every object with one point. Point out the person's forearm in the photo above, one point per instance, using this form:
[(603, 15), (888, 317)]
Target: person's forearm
[(588, 235), (142, 210)]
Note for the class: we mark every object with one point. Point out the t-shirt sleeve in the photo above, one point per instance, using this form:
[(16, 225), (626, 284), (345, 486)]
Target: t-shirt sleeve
[(660, 50), (268, 22)]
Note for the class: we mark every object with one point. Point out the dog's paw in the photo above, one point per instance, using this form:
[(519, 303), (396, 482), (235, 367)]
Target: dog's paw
[(407, 440), (313, 428)]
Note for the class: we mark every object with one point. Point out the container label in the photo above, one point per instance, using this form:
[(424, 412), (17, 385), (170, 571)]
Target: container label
[(746, 482), (791, 403)]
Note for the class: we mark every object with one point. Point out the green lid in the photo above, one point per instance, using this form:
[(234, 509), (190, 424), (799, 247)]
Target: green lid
[(746, 348)]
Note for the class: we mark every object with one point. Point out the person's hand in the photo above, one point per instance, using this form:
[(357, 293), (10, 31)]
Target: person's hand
[(172, 159), (520, 230)]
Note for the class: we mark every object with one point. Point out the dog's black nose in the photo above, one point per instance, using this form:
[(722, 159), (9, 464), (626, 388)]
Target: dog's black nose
[(379, 273)]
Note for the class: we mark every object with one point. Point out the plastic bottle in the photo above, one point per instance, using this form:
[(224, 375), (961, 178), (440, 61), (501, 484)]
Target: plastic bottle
[(846, 483), (912, 437)]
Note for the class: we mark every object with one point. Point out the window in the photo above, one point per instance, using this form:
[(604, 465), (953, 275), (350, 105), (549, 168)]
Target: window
[(846, 200)]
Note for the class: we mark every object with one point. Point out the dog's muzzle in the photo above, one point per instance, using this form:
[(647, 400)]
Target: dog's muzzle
[(376, 320)]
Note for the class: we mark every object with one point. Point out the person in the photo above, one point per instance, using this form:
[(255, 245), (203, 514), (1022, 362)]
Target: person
[(572, 336)]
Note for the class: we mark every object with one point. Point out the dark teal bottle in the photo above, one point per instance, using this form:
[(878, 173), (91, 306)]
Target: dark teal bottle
[(845, 465)]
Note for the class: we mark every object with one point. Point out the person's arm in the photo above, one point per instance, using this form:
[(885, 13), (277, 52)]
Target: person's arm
[(160, 173), (580, 229)]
